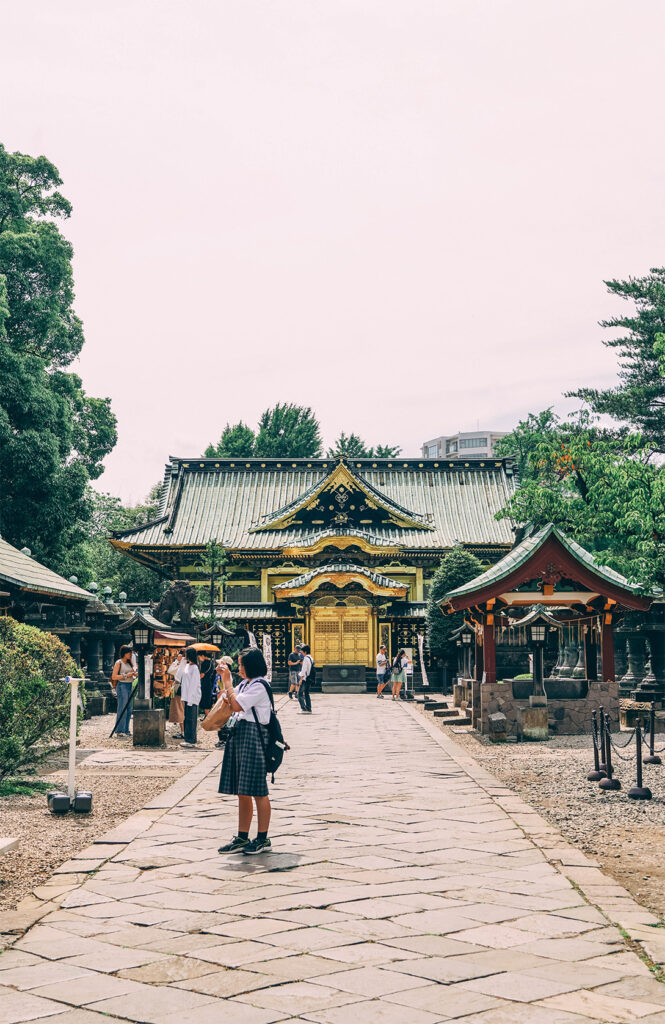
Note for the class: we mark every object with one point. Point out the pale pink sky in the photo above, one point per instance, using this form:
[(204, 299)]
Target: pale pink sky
[(400, 213)]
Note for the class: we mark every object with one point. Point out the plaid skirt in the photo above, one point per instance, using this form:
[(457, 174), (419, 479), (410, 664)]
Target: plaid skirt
[(244, 765)]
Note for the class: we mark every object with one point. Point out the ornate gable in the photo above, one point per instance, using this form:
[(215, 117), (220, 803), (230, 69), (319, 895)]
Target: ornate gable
[(342, 500)]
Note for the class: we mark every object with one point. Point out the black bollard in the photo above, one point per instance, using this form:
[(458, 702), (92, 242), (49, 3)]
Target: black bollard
[(597, 774), (609, 782), (601, 729), (639, 792), (652, 757)]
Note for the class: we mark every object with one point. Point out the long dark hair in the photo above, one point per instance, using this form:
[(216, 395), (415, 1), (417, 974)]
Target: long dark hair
[(397, 660)]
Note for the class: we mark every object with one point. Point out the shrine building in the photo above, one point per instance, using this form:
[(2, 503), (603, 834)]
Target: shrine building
[(336, 553)]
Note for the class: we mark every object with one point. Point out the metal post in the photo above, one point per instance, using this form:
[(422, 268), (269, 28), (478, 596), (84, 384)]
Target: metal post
[(639, 792), (609, 782), (597, 774), (73, 708), (652, 757), (603, 752)]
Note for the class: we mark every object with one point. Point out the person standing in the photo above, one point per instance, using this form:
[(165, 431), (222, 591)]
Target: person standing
[(176, 708), (190, 692), (122, 681), (382, 671), (304, 681), (399, 672), (207, 683), (244, 765), (223, 733), (294, 662)]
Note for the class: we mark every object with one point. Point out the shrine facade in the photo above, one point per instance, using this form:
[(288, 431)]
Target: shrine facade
[(331, 552)]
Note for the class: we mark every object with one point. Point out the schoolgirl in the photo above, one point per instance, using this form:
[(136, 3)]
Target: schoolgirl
[(244, 765)]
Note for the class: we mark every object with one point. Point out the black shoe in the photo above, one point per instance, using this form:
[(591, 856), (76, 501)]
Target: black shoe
[(237, 845), (290, 695), (257, 846)]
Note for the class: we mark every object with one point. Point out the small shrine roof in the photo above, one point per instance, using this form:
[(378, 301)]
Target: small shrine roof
[(523, 553), (25, 572)]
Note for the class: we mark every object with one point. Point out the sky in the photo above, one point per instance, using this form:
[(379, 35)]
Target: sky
[(398, 213)]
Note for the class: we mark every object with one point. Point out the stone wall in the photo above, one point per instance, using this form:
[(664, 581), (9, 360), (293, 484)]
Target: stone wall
[(566, 717)]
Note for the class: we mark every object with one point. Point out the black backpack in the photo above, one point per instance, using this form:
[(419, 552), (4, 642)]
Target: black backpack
[(276, 747)]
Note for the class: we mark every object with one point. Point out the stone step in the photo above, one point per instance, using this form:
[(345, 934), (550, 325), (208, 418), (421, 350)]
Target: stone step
[(461, 720), (446, 712), (434, 705)]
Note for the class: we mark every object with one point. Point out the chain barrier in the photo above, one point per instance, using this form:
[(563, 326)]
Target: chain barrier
[(622, 746)]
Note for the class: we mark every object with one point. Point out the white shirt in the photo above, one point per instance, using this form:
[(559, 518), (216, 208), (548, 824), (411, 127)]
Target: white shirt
[(381, 663), (306, 667), (251, 693), (190, 687)]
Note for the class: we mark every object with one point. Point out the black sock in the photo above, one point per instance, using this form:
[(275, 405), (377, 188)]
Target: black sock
[(261, 836), (243, 835)]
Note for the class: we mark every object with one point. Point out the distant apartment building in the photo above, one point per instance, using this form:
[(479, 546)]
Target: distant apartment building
[(473, 444)]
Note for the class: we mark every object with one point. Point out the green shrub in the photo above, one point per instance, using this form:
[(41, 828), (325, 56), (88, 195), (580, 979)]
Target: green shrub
[(34, 703)]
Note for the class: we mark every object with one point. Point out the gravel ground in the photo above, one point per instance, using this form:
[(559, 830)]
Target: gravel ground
[(132, 778), (626, 837)]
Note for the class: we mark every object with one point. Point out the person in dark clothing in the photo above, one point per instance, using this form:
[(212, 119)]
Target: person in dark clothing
[(305, 680), (207, 683)]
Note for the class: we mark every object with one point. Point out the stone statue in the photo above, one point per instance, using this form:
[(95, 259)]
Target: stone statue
[(180, 598)]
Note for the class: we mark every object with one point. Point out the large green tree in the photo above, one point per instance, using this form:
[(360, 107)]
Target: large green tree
[(94, 559), (53, 437), (288, 431), (459, 566), (236, 442), (639, 398)]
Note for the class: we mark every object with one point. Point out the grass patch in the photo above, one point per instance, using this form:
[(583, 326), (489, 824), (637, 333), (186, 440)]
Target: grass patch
[(24, 787)]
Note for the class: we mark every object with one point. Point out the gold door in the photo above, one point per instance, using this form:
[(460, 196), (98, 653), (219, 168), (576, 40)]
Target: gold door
[(341, 636)]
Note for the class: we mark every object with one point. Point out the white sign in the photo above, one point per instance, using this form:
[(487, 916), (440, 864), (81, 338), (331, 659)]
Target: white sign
[(267, 654), (421, 644)]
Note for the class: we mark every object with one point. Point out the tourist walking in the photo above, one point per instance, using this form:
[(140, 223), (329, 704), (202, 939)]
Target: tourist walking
[(122, 681), (190, 692), (244, 764), (398, 672), (382, 671), (305, 681), (294, 662)]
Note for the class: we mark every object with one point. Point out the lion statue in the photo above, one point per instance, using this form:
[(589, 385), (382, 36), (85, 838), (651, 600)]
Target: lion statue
[(180, 597)]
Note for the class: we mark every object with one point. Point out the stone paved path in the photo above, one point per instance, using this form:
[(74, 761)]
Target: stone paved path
[(407, 885)]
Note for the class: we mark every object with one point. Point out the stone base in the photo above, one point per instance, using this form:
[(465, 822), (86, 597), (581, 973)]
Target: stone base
[(148, 727), (95, 706), (532, 723), (349, 686)]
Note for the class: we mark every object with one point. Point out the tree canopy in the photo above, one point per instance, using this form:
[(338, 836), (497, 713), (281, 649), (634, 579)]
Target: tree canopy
[(236, 442), (354, 447), (639, 398), (457, 567), (53, 436)]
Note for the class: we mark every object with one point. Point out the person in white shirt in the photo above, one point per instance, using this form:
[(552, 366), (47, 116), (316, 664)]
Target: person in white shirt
[(190, 693), (382, 671), (399, 672), (176, 707), (305, 680), (244, 764)]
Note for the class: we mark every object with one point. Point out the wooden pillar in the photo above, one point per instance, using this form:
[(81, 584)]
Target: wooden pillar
[(489, 650), (478, 662), (607, 649)]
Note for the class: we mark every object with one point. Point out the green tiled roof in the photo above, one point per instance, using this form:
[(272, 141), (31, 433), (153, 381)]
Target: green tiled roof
[(526, 548), (339, 567), (204, 499), (24, 572)]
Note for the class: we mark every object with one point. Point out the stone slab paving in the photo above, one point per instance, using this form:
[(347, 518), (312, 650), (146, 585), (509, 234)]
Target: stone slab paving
[(406, 884)]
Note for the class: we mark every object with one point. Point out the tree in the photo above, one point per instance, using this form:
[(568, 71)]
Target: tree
[(353, 447), (94, 559), (236, 442), (288, 431), (457, 567), (213, 564), (639, 398), (602, 488), (523, 441), (53, 437)]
